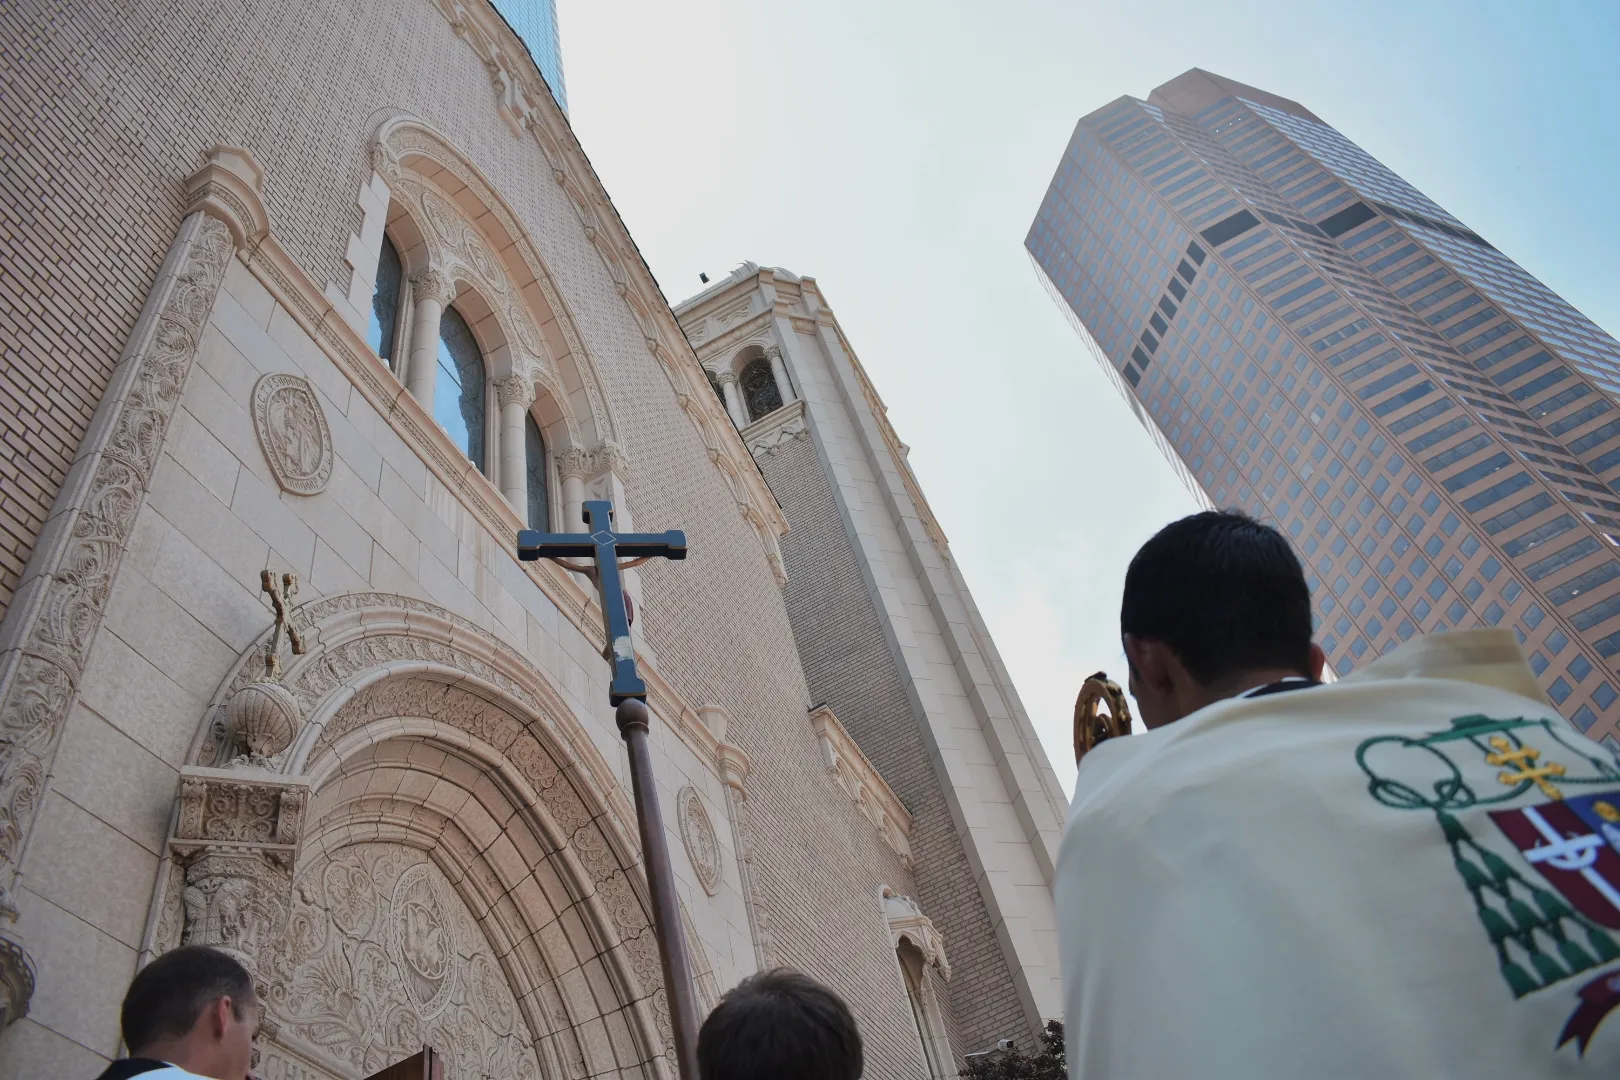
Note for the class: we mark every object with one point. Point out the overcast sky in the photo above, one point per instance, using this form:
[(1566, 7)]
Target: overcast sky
[(897, 150)]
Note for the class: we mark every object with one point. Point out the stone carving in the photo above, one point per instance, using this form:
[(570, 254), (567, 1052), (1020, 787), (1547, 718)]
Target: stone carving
[(697, 833), (293, 433), (433, 284), (573, 462), (514, 388), (17, 971), (862, 782), (44, 646), (262, 719), (236, 837), (907, 922), (379, 956)]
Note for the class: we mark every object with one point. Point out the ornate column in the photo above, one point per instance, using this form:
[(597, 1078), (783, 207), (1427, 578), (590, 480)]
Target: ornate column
[(432, 290), (779, 372), (54, 615), (734, 402), (236, 837), (574, 464), (515, 393)]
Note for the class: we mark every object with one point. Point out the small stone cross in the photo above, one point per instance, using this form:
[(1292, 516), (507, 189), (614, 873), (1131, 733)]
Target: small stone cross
[(281, 594), (1523, 759)]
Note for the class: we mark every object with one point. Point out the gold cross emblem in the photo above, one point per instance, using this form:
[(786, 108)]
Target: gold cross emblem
[(1523, 758)]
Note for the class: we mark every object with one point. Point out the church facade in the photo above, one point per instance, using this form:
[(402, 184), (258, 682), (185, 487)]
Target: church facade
[(307, 310)]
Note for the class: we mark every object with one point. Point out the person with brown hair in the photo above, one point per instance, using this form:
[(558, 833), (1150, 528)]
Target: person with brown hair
[(190, 1013)]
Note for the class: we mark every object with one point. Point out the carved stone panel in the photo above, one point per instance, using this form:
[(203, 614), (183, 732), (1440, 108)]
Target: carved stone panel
[(697, 833), (379, 957), (293, 433)]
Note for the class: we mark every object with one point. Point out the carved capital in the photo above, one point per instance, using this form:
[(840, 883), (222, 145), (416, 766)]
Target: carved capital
[(773, 352), (609, 458), (433, 284), (17, 969), (236, 836), (574, 463), (514, 388), (231, 188), (724, 377)]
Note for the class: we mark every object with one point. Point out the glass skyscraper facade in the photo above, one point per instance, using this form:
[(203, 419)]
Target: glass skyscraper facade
[(1311, 339), (536, 23)]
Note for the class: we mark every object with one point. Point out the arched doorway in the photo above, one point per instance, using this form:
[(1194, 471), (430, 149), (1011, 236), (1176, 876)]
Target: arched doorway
[(462, 876)]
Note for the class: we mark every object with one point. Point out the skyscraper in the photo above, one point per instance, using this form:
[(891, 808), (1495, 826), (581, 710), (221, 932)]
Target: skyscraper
[(536, 23), (1308, 337)]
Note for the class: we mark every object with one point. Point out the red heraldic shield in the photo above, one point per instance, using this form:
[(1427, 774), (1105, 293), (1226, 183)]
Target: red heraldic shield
[(1576, 849)]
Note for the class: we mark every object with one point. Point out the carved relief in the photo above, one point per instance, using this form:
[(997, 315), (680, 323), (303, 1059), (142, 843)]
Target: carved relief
[(235, 836), (697, 833), (380, 956), (293, 433), (514, 388), (863, 784), (45, 657)]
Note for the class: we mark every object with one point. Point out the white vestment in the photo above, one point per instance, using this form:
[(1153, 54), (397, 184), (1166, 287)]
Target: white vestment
[(1414, 872)]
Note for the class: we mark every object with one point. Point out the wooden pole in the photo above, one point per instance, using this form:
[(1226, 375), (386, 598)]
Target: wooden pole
[(633, 718)]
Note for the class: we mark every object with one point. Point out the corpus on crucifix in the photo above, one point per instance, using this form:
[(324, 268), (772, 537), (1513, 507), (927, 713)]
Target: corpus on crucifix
[(628, 694)]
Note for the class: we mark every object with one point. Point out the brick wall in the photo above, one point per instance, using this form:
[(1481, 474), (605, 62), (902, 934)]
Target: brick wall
[(109, 107), (849, 667)]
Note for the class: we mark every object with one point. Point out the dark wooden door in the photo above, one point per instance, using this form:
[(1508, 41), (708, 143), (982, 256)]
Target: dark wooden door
[(426, 1065)]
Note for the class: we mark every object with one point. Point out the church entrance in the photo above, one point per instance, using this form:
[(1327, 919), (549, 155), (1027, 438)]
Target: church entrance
[(429, 855)]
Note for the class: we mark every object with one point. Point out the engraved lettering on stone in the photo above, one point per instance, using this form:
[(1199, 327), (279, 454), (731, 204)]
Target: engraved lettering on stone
[(293, 433), (697, 833)]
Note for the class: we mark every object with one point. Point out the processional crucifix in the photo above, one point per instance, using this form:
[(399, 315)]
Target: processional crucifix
[(628, 694)]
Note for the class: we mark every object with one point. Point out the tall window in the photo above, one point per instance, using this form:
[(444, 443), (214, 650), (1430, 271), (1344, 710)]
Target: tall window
[(458, 393), (923, 1012), (382, 330), (534, 460), (759, 389)]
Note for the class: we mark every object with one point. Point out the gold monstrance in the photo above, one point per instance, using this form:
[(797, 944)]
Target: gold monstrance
[(1092, 725)]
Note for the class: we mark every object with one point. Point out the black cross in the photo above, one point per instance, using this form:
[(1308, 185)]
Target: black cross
[(607, 547), (629, 697)]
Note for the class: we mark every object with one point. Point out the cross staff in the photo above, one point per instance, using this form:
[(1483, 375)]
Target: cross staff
[(628, 694)]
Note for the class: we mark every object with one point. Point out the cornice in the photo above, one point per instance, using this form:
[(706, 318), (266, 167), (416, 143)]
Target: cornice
[(525, 102), (862, 782)]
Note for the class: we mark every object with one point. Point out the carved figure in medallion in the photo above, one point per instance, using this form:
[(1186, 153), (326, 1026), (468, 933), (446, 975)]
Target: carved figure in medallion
[(697, 833), (293, 433)]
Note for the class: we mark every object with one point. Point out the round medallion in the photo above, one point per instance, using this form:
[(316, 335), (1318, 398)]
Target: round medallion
[(697, 833), (421, 940), (293, 433)]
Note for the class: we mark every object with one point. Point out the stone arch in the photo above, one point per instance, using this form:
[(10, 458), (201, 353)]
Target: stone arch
[(481, 232), (506, 797)]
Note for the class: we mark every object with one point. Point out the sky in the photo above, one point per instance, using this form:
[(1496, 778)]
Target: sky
[(897, 150)]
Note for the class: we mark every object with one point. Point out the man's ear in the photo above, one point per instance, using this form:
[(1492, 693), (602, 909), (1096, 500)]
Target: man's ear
[(218, 1016), (1149, 662), (1317, 662)]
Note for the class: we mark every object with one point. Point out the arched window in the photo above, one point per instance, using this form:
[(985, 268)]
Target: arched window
[(534, 459), (382, 331), (759, 389), (458, 392), (923, 1010), (714, 384)]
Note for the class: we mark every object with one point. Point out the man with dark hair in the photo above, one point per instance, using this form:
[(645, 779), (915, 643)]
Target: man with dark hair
[(1410, 873), (189, 1013), (1215, 606), (779, 1025)]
